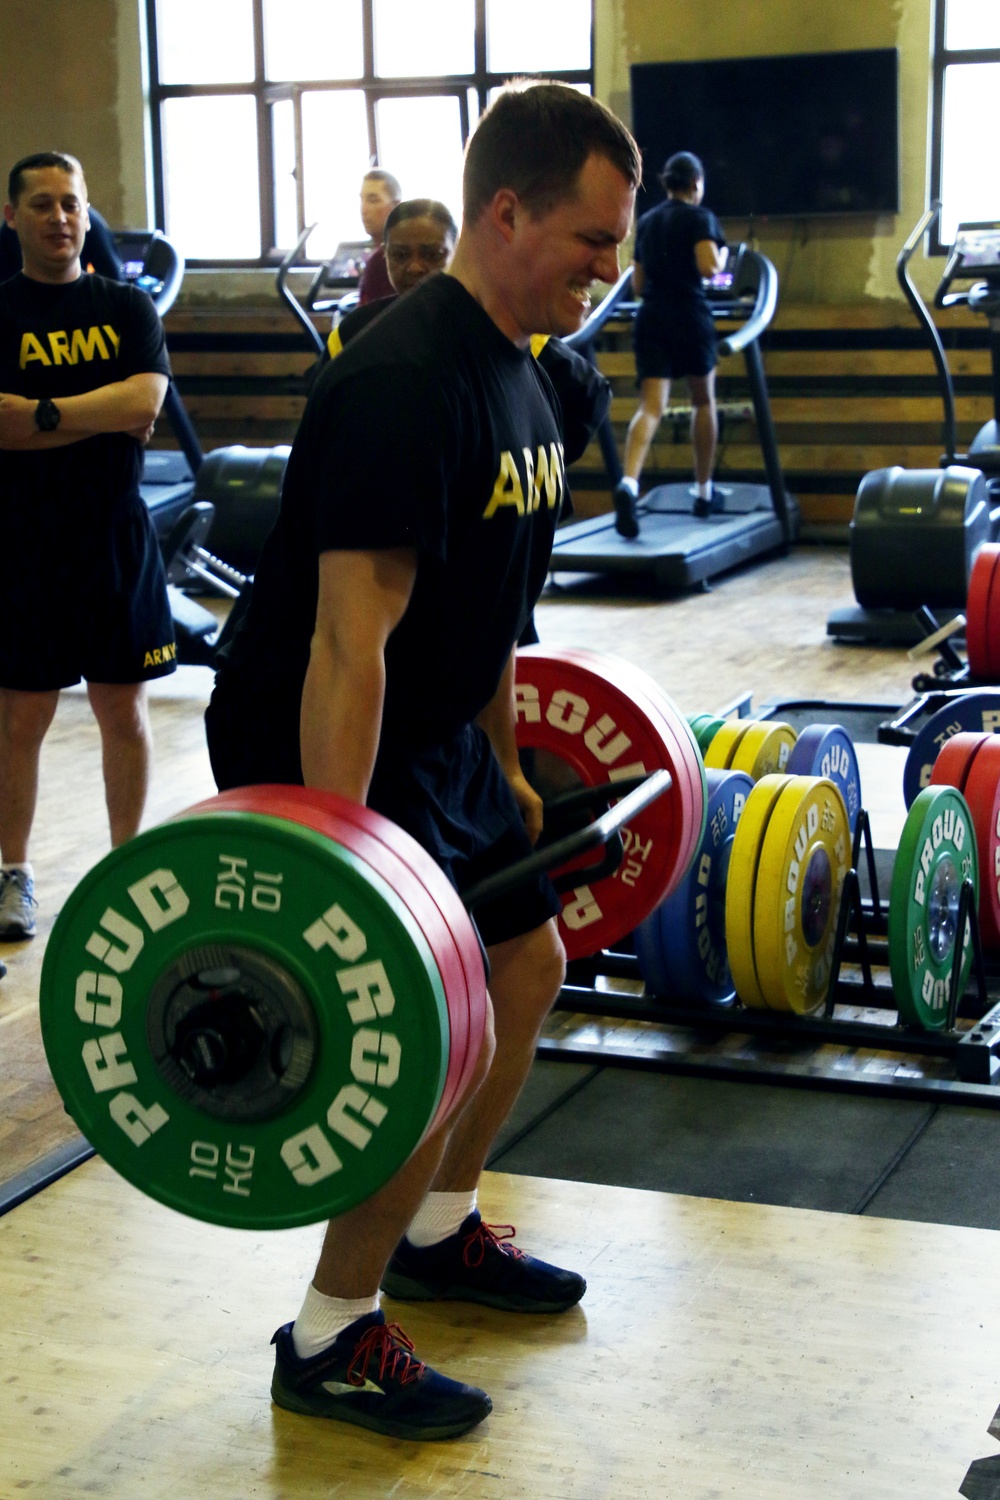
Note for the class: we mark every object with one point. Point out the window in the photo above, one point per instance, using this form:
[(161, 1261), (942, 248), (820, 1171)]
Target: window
[(966, 87), (267, 113)]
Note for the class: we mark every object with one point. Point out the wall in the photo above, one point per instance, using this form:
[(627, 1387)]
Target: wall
[(847, 261), (72, 80)]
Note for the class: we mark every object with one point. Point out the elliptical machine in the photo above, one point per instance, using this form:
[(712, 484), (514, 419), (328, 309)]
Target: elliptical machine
[(915, 533)]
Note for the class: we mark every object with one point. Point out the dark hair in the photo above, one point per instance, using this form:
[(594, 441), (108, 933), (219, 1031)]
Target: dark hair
[(421, 208), (378, 174), (60, 159), (681, 171), (535, 139)]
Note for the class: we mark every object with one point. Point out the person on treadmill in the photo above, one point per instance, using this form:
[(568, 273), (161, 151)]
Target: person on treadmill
[(679, 245), (83, 373), (377, 661)]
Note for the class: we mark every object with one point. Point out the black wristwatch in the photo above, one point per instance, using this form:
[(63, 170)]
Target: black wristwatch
[(47, 415)]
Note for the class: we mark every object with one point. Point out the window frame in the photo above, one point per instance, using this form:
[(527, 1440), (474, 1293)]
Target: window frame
[(942, 60), (266, 93)]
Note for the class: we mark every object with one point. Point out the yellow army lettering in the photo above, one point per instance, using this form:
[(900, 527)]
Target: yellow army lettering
[(160, 656), (545, 470), (69, 349)]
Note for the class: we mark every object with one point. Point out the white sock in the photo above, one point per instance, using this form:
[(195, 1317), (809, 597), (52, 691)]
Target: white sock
[(705, 490), (323, 1318), (628, 483), (440, 1215), (25, 869)]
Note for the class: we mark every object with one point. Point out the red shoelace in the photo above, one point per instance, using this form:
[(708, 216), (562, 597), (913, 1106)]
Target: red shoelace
[(485, 1236), (394, 1350)]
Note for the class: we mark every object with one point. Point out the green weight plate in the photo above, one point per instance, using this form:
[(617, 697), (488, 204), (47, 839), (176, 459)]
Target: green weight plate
[(937, 852), (741, 888), (804, 858), (245, 1020)]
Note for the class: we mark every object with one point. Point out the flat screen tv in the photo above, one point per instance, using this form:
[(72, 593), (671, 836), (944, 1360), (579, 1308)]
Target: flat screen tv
[(810, 133)]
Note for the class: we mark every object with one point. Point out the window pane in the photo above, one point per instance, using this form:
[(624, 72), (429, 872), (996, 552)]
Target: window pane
[(525, 37), (207, 224), (286, 218), (199, 43), (968, 192), (335, 157), (412, 43), (972, 23), (307, 39), (420, 142)]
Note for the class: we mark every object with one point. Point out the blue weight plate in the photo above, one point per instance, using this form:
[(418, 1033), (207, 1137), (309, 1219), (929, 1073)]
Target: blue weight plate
[(827, 750), (682, 945), (976, 713)]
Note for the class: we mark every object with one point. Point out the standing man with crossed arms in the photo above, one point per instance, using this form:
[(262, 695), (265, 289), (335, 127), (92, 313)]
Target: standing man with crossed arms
[(377, 661), (83, 373)]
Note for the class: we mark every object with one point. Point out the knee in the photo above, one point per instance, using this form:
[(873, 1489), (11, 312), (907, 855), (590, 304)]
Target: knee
[(121, 715), (24, 718)]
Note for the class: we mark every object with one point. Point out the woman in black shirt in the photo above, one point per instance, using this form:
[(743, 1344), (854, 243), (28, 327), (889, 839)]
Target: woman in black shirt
[(678, 244)]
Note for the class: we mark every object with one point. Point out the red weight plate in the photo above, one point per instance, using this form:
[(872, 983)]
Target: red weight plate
[(993, 620), (977, 611), (982, 793), (595, 727), (677, 730), (323, 813), (954, 760)]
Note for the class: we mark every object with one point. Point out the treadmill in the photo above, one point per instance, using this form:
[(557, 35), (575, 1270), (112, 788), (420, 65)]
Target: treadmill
[(676, 548)]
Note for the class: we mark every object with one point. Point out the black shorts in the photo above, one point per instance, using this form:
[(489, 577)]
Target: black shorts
[(452, 798), (90, 604), (670, 343)]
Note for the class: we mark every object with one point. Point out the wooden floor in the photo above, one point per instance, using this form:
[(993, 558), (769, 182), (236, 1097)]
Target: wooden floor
[(722, 1350)]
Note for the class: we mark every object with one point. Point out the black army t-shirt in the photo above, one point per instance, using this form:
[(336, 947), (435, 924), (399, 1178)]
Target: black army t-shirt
[(58, 341), (433, 432), (664, 246)]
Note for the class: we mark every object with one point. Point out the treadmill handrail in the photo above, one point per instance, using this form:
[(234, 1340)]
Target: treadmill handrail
[(293, 303), (764, 308), (920, 311), (605, 309)]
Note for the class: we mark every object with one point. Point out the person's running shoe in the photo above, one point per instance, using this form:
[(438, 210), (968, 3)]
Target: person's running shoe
[(712, 504), (478, 1264), (626, 519), (370, 1376), (17, 906)]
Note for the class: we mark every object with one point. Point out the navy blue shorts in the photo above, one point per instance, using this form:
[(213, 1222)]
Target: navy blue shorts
[(672, 344), (84, 602), (452, 798)]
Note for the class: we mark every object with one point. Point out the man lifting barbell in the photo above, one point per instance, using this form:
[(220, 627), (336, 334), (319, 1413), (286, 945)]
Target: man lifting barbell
[(376, 661)]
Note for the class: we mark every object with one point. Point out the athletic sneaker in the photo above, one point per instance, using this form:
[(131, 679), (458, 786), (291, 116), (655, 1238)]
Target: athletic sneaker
[(478, 1264), (371, 1377), (712, 504), (17, 906), (626, 521)]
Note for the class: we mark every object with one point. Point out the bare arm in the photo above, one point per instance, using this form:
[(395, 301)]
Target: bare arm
[(362, 598), (709, 259), (130, 405), (499, 720)]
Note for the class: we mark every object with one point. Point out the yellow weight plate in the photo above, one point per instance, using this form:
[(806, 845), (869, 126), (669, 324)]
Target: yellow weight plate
[(741, 886), (763, 750), (804, 857), (723, 743)]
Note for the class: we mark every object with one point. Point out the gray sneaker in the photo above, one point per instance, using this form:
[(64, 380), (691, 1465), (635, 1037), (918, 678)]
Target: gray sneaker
[(17, 906)]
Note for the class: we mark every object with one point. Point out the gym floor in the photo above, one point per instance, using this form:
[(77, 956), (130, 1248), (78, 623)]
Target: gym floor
[(625, 1163)]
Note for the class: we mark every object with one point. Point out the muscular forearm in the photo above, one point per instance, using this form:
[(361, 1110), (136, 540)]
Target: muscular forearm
[(39, 441), (121, 407), (341, 720)]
